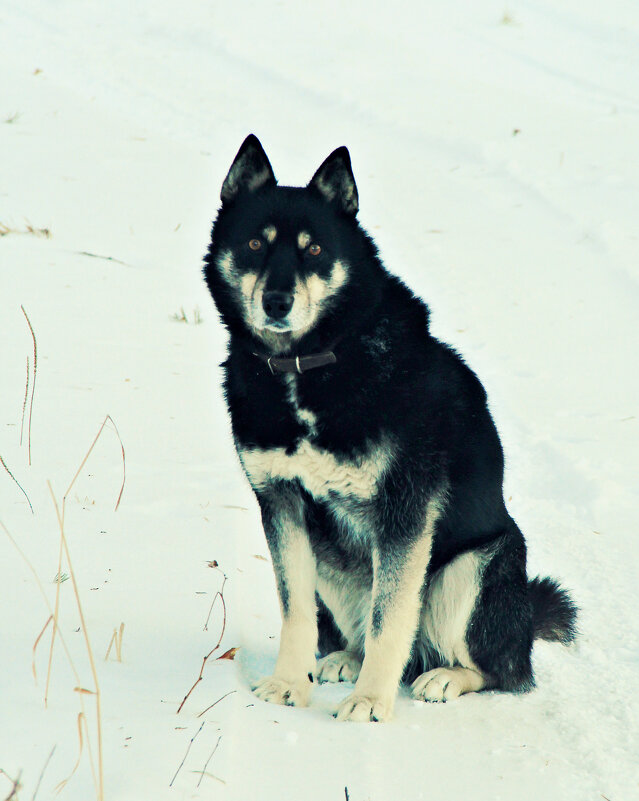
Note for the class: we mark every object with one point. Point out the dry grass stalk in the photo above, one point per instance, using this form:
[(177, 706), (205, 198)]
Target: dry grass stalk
[(82, 722), (13, 793), (97, 256), (46, 765), (208, 760), (4, 464), (24, 403), (50, 619), (116, 640), (88, 453), (186, 754), (55, 624), (31, 229), (5, 230), (99, 781), (54, 615), (35, 371), (46, 601), (85, 632), (219, 594), (181, 316), (216, 702)]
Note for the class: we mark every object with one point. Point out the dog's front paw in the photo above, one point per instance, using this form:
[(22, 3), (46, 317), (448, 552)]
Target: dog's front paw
[(364, 708), (338, 666), (279, 691)]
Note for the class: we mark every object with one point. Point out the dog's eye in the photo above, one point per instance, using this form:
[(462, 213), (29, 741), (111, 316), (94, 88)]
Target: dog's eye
[(255, 244), (314, 249)]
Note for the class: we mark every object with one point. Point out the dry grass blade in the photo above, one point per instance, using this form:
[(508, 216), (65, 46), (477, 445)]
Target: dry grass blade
[(24, 402), (108, 418), (186, 754), (62, 541), (208, 760), (35, 371), (219, 594), (31, 229), (116, 640), (35, 646), (56, 612), (98, 256), (215, 703), (56, 628), (111, 642), (13, 793), (5, 230), (4, 464), (44, 596), (46, 765), (82, 721), (99, 780), (85, 632)]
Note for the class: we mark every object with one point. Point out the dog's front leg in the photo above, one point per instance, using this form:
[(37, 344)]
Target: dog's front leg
[(398, 576), (295, 574)]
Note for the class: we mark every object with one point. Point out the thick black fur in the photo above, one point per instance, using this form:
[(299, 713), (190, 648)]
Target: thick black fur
[(391, 376)]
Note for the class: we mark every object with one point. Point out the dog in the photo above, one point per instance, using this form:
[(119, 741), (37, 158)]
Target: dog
[(373, 456)]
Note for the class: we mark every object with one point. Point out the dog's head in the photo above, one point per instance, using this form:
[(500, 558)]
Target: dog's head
[(283, 258)]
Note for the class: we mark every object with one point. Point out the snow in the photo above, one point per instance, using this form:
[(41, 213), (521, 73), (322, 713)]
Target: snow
[(495, 150)]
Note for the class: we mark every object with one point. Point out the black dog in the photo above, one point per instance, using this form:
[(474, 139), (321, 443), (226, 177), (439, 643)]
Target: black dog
[(373, 456)]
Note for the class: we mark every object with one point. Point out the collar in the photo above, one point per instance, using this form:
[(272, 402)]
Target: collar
[(297, 364)]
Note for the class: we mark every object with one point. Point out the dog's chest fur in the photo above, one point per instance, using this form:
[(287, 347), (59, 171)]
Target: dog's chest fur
[(345, 484)]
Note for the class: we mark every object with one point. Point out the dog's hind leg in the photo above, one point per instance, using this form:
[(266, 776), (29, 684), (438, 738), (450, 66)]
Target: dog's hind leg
[(450, 599), (500, 632), (477, 616), (444, 684)]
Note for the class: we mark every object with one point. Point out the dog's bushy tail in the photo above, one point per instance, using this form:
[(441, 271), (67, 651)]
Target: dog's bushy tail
[(554, 613)]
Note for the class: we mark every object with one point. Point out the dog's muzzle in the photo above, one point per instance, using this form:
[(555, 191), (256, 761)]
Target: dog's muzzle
[(277, 304)]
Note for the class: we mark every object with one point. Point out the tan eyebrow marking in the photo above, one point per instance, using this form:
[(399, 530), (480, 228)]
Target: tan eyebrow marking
[(303, 239), (270, 233)]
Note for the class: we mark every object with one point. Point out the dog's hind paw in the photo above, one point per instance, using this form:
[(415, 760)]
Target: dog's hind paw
[(444, 684), (279, 691), (338, 666), (364, 709)]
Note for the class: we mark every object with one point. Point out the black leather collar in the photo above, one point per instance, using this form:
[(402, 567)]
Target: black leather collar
[(297, 364)]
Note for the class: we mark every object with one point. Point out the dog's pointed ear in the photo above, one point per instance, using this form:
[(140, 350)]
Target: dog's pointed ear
[(250, 171), (335, 182)]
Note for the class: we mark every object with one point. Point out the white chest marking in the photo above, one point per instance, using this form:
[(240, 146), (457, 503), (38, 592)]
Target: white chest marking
[(303, 416), (320, 472)]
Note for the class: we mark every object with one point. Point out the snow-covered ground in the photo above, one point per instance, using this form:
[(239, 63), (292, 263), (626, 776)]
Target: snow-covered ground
[(495, 149)]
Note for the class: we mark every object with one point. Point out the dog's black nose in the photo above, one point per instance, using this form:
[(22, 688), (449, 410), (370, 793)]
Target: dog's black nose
[(277, 304)]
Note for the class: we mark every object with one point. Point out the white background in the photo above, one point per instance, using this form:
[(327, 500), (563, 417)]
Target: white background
[(495, 150)]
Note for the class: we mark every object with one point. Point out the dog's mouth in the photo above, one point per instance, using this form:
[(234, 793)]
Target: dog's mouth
[(277, 325)]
